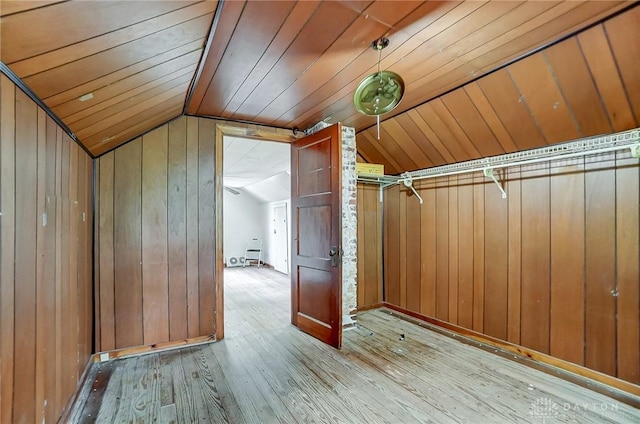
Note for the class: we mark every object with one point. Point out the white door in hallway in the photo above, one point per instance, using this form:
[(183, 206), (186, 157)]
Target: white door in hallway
[(280, 239)]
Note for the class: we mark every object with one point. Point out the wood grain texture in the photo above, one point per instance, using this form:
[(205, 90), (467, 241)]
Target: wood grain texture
[(154, 210), (127, 217), (574, 79), (428, 248), (156, 247), (540, 92), (496, 263), (627, 268), (544, 268), (45, 310), (534, 319), (26, 138), (597, 52), (442, 249), (425, 376), (177, 228), (206, 225), (392, 245), (567, 262), (600, 255), (625, 46), (369, 288), (7, 276), (193, 305), (465, 251), (514, 198)]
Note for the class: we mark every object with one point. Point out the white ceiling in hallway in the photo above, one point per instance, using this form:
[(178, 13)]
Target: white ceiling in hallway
[(260, 168), (247, 161)]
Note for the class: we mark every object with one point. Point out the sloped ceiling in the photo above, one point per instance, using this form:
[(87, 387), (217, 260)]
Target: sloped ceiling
[(257, 167), (110, 70), (292, 64)]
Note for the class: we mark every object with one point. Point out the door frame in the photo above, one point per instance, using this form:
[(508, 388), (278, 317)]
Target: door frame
[(252, 131)]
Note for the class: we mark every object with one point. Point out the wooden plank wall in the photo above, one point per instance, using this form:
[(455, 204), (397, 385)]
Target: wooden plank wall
[(46, 305), (554, 267), (369, 288), (155, 237)]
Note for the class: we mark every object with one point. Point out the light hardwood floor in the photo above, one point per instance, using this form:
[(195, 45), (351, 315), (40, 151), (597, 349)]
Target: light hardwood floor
[(389, 371)]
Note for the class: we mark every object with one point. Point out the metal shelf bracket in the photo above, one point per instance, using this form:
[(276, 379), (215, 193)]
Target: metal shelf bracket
[(408, 182), (488, 172)]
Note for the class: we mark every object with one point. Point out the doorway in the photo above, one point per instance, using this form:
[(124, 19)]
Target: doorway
[(348, 148), (257, 184)]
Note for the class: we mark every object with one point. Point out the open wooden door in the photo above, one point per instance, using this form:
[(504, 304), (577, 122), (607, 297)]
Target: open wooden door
[(316, 271)]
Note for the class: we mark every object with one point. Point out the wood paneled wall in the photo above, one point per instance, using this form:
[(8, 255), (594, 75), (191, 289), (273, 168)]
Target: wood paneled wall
[(369, 289), (554, 267), (45, 268), (155, 237)]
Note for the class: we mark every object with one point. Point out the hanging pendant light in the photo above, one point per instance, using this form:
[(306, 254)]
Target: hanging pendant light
[(379, 92)]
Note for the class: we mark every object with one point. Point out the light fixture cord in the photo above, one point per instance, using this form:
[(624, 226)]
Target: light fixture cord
[(379, 47)]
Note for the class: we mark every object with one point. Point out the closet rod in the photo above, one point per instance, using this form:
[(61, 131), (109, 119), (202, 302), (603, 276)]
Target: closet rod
[(587, 146)]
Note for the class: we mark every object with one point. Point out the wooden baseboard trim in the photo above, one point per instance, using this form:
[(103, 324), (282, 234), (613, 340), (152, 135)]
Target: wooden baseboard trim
[(369, 307), (156, 347), (613, 387)]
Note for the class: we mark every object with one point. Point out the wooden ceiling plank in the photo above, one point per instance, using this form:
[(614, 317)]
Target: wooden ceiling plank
[(549, 26), (106, 80), (430, 135), (329, 21), (131, 95), (407, 143), (458, 133), (397, 151), (72, 22), (135, 126), (599, 56), (71, 75), (458, 57), (453, 26), (129, 112), (355, 41), (573, 76), (535, 32), (231, 11), (438, 15), (292, 26), (625, 45), (513, 113), (491, 118), (462, 23), (421, 139), (371, 154), (540, 92), (10, 7), (71, 110), (95, 45), (428, 113), (129, 100), (258, 25), (472, 123), (361, 159), (448, 44), (390, 163)]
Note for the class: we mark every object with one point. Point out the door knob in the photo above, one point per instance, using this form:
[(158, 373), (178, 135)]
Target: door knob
[(334, 253)]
